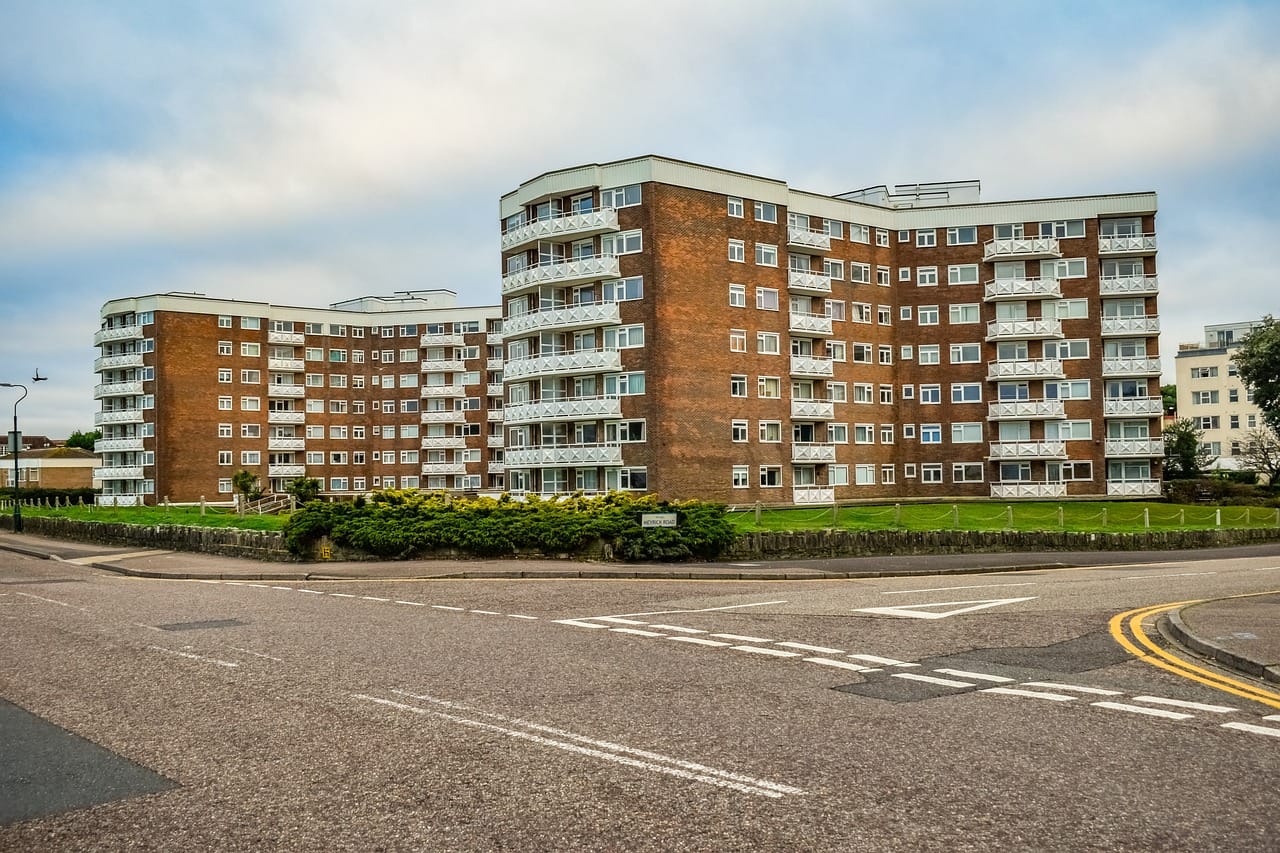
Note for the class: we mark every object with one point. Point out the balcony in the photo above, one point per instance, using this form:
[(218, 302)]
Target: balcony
[(493, 337), (809, 324), (566, 226), (1024, 489), (275, 471), (573, 271), (495, 442), (580, 361), (815, 366), (450, 416), (813, 453), (286, 417), (444, 391), (568, 409), (1133, 285), (813, 495), (444, 442), (494, 389), (106, 499), (1132, 244), (1014, 450), (117, 445), (286, 365), (493, 363), (118, 472), (812, 410), (806, 241), (119, 333), (493, 416), (1133, 488), (277, 337), (1143, 448), (275, 389), (808, 282), (442, 339), (1021, 248), (1020, 410), (1032, 368), (569, 317), (116, 362), (444, 468), (1132, 407), (1018, 330), (496, 467), (1130, 326), (1131, 367), (117, 389), (564, 454), (444, 365), (1022, 288), (119, 416), (275, 443)]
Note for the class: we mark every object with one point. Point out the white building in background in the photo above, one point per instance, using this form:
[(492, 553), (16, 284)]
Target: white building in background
[(1211, 394)]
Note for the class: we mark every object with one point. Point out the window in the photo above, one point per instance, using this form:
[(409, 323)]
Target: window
[(904, 273), (738, 431), (837, 351), (1204, 372), (966, 472), (1064, 268), (965, 313), (628, 196), (735, 207), (930, 394), (224, 430), (904, 236), (882, 276), (1071, 309), (250, 349), (623, 384), (864, 475), (926, 238), (1233, 395), (624, 243), (771, 432), (621, 337), (931, 433), (317, 354), (1073, 389), (838, 433), (908, 392), (834, 309), (224, 375), (624, 290), (224, 321), (861, 353), (929, 354), (741, 473), (887, 475), (250, 457), (224, 457), (737, 340), (837, 392), (861, 312), (1071, 228), (962, 274), (337, 356), (224, 347), (886, 433), (251, 322), (1075, 430), (859, 273), (251, 430), (882, 237), (885, 352), (1213, 422), (966, 392), (833, 228), (770, 476), (1066, 349), (224, 484), (927, 315), (931, 473), (838, 475), (886, 395), (766, 299), (833, 268), (909, 470), (964, 235), (766, 255), (765, 211), (926, 276), (737, 251), (250, 404), (904, 313), (251, 377), (767, 343), (863, 392), (768, 387), (859, 233), (864, 434), (1008, 232), (966, 433), (1204, 398), (966, 353), (737, 386)]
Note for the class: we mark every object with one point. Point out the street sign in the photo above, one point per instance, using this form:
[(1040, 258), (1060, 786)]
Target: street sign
[(657, 519)]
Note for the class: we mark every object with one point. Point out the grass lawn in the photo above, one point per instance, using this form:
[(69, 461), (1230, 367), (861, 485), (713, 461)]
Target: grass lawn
[(151, 515)]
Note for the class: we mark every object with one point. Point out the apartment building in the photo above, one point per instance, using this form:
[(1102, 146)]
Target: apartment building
[(1211, 394), (377, 392), (693, 331)]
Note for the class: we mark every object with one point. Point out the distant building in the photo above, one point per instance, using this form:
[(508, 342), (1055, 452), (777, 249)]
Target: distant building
[(33, 442), (1211, 394), (51, 468)]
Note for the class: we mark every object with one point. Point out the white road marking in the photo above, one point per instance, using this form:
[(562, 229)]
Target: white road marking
[(518, 616), (1191, 706), (42, 598), (373, 598), (925, 611), (1150, 712), (487, 612), (1267, 569), (313, 591), (929, 679), (111, 558), (411, 603), (637, 631), (706, 609), (699, 641), (148, 627), (807, 648), (342, 595), (1030, 694), (838, 664), (1272, 717), (619, 620), (259, 585), (758, 650), (202, 658), (1258, 730), (677, 629), (1097, 691), (256, 654), (574, 622), (285, 588), (447, 607), (1158, 577), (947, 588), (738, 638), (882, 661), (980, 676), (604, 750)]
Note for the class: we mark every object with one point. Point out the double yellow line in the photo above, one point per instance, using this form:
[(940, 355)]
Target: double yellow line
[(1126, 629)]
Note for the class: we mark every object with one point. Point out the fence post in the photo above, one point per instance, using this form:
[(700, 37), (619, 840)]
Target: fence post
[(1008, 514), (1146, 517), (1104, 516), (202, 506), (1061, 523), (1217, 516), (1182, 517), (757, 512), (897, 515), (955, 515)]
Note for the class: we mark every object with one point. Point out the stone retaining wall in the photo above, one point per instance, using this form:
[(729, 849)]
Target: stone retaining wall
[(264, 545)]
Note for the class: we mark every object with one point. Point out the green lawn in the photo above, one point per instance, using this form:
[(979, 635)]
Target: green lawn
[(151, 515)]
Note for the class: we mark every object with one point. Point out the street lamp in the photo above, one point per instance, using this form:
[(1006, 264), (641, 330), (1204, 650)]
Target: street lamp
[(17, 447)]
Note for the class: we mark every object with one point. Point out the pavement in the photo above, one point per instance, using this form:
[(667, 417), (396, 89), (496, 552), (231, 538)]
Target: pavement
[(1241, 632)]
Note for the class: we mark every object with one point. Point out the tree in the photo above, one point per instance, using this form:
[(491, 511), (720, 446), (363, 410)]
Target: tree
[(304, 489), (1169, 395), (1260, 452), (1185, 455), (1258, 360), (84, 439), (246, 483)]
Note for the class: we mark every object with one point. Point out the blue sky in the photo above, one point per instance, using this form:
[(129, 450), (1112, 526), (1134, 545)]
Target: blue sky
[(310, 151)]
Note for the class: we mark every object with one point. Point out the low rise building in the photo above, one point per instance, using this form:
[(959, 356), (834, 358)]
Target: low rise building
[(1211, 394)]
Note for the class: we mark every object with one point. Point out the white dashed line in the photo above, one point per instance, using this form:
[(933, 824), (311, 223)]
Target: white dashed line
[(373, 598), (518, 616), (757, 650), (806, 648), (201, 658), (929, 679), (1158, 577), (410, 603), (980, 676), (1029, 694), (882, 661), (838, 664), (738, 638), (1272, 717), (259, 585), (639, 632), (1135, 709), (677, 629), (699, 641), (312, 591), (285, 588), (619, 620), (487, 612), (1257, 730), (1190, 706), (1076, 688), (447, 607), (574, 622), (342, 595), (256, 654)]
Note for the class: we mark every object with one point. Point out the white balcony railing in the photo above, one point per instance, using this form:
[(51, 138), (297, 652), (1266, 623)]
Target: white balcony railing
[(1140, 326), (496, 467), (1028, 450), (808, 282), (1026, 410), (277, 443), (1134, 447), (1134, 244), (117, 445), (286, 365), (493, 363), (1131, 367), (494, 389), (1133, 488), (1032, 368), (1023, 489), (1021, 247), (494, 416), (809, 324), (118, 472), (275, 389), (813, 495), (579, 361), (444, 467), (1022, 288), (107, 499), (812, 410), (286, 470), (117, 362), (117, 389), (566, 226), (450, 416), (442, 339), (565, 454), (568, 409), (811, 242), (444, 442), (444, 365), (119, 416), (562, 272), (493, 337), (1014, 330), (495, 441), (444, 391), (277, 337), (286, 417), (1137, 407), (812, 365), (569, 317), (813, 453), (1130, 285), (119, 333)]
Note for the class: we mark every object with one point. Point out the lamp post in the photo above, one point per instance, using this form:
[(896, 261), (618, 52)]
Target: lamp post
[(17, 448)]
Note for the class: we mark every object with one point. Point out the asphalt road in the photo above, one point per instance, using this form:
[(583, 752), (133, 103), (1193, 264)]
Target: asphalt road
[(980, 712)]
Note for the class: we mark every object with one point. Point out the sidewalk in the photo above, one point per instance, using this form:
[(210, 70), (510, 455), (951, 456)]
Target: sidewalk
[(1242, 633)]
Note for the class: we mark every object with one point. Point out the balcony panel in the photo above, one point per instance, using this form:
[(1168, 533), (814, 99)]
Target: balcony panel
[(274, 443), (444, 365), (286, 417), (813, 495), (1016, 248), (1133, 488), (117, 389), (1131, 367), (1143, 448), (119, 333), (814, 366), (570, 409), (1023, 489), (276, 471), (577, 270), (1019, 410), (292, 391), (809, 324), (1130, 326), (117, 445), (117, 362), (121, 416), (1008, 450), (444, 442), (1136, 244), (119, 472), (569, 317), (802, 240), (495, 442), (448, 417), (443, 339), (1022, 288), (808, 282), (1132, 407), (106, 499), (286, 365), (444, 391), (493, 337), (1134, 285), (567, 226), (813, 410), (296, 339), (813, 453), (1035, 368), (581, 361), (1017, 330), (567, 454), (444, 467), (493, 415)]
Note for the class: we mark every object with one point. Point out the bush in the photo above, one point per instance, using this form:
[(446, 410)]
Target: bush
[(51, 495)]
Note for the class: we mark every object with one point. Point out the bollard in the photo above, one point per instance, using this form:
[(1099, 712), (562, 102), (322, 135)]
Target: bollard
[(757, 512), (897, 515), (1217, 516), (1146, 517), (202, 506), (1104, 516), (1061, 522), (1182, 517), (955, 515), (1008, 515)]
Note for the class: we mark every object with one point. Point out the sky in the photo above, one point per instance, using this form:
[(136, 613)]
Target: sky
[(303, 152)]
